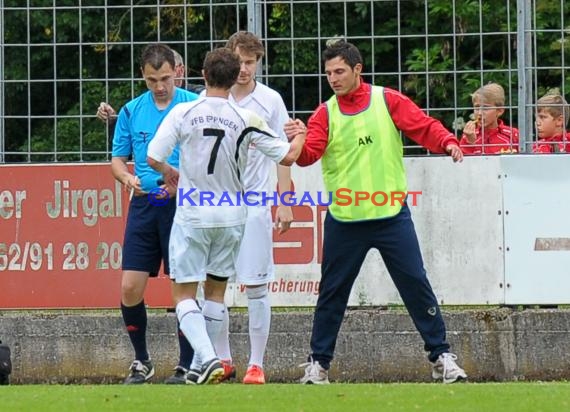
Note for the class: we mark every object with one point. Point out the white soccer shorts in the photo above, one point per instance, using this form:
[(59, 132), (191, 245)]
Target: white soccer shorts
[(255, 259), (195, 252)]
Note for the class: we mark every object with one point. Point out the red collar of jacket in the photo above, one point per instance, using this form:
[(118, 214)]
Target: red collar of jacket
[(357, 100)]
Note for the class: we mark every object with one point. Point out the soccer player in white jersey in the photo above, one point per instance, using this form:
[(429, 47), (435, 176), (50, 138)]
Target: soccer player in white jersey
[(214, 137), (255, 267)]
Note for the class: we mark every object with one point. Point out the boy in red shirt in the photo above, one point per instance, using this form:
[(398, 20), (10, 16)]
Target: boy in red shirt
[(487, 133), (551, 118)]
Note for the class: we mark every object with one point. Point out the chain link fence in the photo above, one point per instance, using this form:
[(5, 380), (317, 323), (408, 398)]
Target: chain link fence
[(60, 58)]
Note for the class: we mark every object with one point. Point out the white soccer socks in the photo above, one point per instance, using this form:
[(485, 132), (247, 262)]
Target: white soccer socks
[(193, 325), (259, 311)]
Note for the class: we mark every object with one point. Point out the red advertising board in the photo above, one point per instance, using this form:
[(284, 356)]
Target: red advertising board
[(61, 238), (61, 234)]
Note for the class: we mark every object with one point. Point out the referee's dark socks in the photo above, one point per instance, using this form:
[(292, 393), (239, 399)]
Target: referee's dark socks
[(186, 350), (135, 321)]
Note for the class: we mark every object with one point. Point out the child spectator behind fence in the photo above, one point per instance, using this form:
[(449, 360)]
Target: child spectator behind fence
[(551, 118), (487, 133)]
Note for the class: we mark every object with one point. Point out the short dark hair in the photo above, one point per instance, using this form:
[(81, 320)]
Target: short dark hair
[(343, 49), (156, 54), (221, 68)]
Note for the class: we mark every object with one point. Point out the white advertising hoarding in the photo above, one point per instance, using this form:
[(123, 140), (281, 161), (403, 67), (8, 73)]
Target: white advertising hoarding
[(537, 229), (459, 225)]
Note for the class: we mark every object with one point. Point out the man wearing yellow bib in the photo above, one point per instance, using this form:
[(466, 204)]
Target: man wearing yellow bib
[(357, 135)]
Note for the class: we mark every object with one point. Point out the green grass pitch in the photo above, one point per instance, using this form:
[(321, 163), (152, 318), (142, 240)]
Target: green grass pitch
[(503, 397)]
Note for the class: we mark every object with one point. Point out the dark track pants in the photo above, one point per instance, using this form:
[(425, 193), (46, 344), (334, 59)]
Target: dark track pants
[(344, 248)]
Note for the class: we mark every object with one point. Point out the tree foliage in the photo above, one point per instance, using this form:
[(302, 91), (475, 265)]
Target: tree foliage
[(59, 63)]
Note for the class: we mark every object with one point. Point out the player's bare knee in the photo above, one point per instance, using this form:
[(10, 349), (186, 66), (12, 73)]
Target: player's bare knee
[(215, 288), (133, 285), (181, 291), (131, 296)]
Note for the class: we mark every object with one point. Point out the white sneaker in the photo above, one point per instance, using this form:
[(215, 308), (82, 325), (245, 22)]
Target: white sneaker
[(314, 373), (445, 368)]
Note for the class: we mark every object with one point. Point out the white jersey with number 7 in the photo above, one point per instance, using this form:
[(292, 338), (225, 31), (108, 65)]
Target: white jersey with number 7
[(214, 136)]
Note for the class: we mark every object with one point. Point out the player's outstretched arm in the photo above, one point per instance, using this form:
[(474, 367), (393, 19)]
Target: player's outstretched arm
[(295, 150), (293, 127), (296, 132)]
